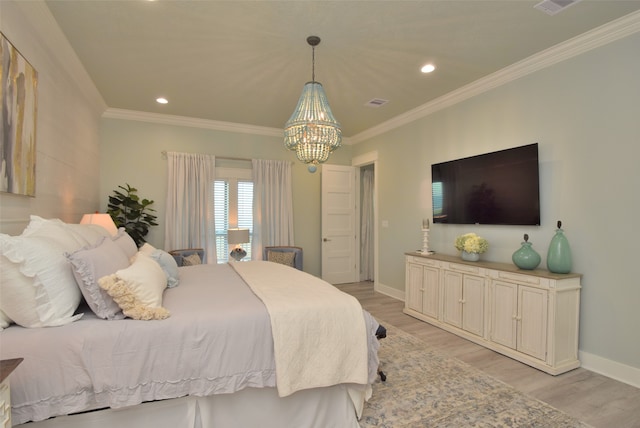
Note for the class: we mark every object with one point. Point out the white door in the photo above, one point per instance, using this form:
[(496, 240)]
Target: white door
[(339, 263)]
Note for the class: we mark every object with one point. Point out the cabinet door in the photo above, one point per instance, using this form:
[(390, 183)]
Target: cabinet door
[(504, 313), (452, 298), (473, 304), (431, 287), (532, 326), (414, 286)]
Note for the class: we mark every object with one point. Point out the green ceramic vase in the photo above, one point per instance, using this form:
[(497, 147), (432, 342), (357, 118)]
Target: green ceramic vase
[(559, 255), (526, 257), (470, 257)]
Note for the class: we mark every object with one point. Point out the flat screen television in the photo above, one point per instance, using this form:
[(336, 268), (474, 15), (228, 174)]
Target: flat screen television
[(501, 188)]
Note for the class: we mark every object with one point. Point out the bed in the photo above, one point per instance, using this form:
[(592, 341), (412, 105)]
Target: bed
[(245, 344)]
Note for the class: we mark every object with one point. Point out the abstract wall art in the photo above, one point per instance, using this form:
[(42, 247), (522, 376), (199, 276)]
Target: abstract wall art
[(18, 90)]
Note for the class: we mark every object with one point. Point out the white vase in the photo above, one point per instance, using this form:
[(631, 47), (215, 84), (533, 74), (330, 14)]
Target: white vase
[(470, 257)]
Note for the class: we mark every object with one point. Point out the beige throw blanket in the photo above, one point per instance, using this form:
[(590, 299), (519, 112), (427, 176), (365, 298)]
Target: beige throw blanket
[(319, 332)]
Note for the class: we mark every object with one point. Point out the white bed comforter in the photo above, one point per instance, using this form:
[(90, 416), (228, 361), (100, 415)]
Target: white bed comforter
[(319, 332)]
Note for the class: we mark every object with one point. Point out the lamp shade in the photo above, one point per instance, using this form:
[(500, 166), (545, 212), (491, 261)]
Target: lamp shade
[(238, 236), (100, 219)]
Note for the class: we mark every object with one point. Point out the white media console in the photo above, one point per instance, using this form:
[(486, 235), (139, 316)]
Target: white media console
[(531, 316)]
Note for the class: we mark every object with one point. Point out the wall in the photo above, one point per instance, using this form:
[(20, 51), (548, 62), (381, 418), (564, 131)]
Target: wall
[(584, 113), (131, 152), (68, 118)]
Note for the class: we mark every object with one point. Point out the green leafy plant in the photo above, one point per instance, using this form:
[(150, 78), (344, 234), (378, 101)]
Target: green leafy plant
[(129, 211)]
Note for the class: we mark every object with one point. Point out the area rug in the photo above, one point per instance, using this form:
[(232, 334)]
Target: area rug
[(428, 389)]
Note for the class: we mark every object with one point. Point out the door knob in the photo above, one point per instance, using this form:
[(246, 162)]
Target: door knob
[(326, 240)]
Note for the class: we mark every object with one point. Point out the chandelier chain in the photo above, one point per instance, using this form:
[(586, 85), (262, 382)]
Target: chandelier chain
[(313, 63)]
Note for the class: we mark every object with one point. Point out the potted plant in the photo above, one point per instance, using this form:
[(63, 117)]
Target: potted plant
[(471, 246), (129, 211)]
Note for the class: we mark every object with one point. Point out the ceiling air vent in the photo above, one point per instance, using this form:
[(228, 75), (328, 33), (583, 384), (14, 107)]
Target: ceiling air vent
[(376, 102), (551, 7)]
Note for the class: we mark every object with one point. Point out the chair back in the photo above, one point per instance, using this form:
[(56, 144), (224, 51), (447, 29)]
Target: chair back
[(281, 254)]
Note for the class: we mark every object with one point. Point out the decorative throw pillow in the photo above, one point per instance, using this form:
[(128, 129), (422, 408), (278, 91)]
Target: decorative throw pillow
[(92, 263), (138, 289), (37, 285), (126, 243), (55, 230), (168, 264), (191, 260), (146, 249), (282, 257), (91, 233), (166, 261), (4, 320)]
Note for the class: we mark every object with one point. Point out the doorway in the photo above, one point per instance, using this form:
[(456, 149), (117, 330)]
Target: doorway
[(367, 216)]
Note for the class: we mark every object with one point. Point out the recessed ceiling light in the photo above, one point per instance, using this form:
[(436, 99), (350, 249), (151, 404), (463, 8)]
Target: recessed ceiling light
[(162, 100), (428, 68)]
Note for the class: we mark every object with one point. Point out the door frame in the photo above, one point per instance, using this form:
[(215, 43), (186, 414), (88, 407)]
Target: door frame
[(365, 159)]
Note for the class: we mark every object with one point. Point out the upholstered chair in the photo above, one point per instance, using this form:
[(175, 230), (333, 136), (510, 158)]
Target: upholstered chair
[(188, 256), (287, 255)]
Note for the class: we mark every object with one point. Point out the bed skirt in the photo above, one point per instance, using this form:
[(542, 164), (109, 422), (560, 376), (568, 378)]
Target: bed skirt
[(314, 408)]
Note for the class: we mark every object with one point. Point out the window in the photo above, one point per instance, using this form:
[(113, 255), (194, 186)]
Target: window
[(233, 199), (436, 194)]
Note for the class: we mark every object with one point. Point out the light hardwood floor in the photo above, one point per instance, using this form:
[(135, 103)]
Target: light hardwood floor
[(595, 399)]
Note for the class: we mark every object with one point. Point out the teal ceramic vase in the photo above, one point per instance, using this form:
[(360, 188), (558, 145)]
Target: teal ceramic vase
[(559, 255), (526, 257)]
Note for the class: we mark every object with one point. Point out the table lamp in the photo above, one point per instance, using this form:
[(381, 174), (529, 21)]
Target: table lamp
[(100, 219), (237, 237)]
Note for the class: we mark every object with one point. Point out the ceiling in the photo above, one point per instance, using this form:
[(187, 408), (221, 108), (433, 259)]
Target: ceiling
[(246, 62)]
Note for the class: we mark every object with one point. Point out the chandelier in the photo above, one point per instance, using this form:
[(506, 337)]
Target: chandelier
[(312, 131)]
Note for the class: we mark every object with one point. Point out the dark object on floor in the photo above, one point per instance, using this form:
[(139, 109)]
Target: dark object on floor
[(381, 333)]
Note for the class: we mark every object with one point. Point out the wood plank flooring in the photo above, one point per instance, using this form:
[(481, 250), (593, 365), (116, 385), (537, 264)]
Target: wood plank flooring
[(595, 399)]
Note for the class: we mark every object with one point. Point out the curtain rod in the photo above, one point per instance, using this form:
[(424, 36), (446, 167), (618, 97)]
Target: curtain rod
[(164, 154)]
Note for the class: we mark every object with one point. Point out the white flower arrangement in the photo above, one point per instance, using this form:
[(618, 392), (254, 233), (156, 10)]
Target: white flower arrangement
[(471, 243)]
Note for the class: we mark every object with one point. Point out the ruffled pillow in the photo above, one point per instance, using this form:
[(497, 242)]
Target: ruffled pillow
[(138, 289), (126, 243), (92, 263), (37, 285)]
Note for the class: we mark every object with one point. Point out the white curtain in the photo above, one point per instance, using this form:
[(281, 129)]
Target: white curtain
[(272, 205), (189, 214), (366, 227)]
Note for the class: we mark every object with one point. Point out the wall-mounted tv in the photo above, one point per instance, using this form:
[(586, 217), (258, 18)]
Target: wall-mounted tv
[(501, 187)]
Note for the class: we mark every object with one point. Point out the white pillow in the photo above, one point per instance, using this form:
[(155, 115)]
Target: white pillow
[(91, 233), (166, 261), (138, 289), (146, 249), (4, 320), (37, 285), (55, 230), (126, 243)]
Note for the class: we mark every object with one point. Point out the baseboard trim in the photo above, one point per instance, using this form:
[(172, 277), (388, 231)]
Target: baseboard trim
[(609, 368), (389, 291)]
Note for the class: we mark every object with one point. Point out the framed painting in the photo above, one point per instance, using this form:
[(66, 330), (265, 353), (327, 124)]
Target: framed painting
[(18, 123)]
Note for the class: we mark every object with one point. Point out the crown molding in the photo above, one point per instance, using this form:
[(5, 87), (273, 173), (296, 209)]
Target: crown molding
[(610, 32), (166, 119)]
